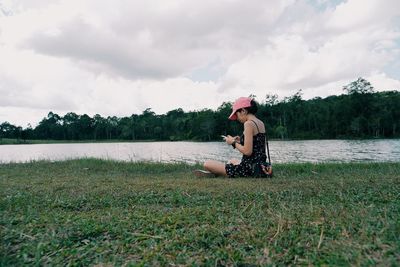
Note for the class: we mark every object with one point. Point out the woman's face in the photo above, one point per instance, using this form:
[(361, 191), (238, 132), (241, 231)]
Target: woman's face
[(241, 115)]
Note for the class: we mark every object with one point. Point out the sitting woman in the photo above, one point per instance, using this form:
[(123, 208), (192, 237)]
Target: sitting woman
[(251, 144)]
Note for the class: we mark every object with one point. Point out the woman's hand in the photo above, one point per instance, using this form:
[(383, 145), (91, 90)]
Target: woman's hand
[(230, 139)]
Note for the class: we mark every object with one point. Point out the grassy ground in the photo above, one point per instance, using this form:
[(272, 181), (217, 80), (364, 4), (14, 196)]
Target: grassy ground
[(92, 212)]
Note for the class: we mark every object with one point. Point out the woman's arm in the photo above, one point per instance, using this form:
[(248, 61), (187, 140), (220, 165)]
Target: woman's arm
[(247, 148)]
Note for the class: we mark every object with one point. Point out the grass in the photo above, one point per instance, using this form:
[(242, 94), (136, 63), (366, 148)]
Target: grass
[(93, 212)]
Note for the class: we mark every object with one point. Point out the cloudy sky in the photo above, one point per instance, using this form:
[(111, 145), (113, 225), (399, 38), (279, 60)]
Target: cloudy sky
[(123, 56)]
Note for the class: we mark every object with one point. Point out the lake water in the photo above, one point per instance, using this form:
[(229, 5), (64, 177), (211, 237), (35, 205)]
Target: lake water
[(192, 152)]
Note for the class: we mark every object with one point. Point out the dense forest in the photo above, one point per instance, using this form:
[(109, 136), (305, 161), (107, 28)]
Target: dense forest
[(358, 113)]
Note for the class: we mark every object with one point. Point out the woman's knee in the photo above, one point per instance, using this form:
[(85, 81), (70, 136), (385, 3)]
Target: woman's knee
[(215, 167), (207, 165), (211, 165)]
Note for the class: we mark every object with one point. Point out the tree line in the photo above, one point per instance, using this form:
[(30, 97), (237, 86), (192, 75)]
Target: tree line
[(358, 113)]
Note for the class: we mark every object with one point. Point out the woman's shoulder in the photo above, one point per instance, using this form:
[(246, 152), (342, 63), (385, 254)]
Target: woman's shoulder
[(254, 122), (258, 124), (250, 124)]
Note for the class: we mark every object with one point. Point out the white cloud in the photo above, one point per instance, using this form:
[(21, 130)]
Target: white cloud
[(355, 14), (290, 62), (153, 39), (382, 82)]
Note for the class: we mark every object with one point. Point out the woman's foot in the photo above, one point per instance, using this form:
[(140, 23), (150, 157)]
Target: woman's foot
[(203, 174)]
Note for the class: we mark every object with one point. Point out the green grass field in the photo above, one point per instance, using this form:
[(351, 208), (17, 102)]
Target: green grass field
[(93, 212)]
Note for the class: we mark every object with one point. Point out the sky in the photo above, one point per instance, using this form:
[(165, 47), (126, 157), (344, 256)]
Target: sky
[(118, 58)]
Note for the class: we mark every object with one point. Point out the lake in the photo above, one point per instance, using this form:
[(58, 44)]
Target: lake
[(192, 152)]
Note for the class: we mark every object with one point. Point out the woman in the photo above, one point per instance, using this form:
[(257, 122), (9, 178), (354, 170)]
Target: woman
[(251, 144)]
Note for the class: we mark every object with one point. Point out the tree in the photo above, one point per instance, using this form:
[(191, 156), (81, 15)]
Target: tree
[(359, 86), (7, 130), (50, 127), (359, 113), (85, 126), (111, 127), (281, 131), (126, 127), (71, 126), (174, 123), (271, 100), (158, 132), (292, 108), (222, 125), (204, 125), (99, 127)]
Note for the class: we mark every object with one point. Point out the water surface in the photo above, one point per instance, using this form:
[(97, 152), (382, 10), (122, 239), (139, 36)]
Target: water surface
[(192, 152)]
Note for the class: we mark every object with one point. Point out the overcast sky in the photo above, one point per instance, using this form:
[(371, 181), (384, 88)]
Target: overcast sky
[(115, 58)]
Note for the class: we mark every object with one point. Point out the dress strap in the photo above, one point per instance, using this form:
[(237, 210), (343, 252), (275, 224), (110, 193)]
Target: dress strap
[(256, 126)]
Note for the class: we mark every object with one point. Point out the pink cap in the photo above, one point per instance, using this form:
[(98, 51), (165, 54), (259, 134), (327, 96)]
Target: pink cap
[(241, 102)]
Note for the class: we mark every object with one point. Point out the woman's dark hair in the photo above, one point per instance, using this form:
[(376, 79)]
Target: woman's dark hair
[(253, 108)]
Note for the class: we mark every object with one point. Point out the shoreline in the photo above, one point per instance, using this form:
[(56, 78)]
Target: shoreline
[(197, 164), (7, 141)]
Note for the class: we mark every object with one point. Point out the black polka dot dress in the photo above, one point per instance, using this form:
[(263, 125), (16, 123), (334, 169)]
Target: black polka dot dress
[(245, 168)]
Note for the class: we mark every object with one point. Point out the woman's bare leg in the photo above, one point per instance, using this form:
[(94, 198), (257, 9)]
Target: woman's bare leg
[(234, 161), (216, 167)]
